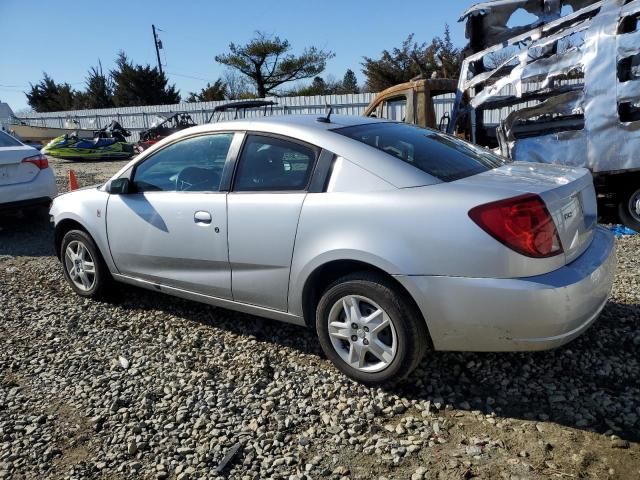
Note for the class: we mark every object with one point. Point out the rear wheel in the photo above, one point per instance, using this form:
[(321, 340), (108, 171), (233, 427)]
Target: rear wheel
[(369, 330), (83, 266), (629, 209)]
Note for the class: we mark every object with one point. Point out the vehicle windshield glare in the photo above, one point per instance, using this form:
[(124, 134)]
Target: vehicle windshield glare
[(442, 156)]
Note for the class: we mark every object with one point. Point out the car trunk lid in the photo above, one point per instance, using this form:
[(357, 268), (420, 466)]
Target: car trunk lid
[(12, 170), (568, 193)]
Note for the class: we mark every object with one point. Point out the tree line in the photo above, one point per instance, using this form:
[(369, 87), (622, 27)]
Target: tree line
[(264, 66)]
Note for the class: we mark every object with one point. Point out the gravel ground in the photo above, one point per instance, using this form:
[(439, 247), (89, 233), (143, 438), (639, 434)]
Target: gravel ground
[(151, 386)]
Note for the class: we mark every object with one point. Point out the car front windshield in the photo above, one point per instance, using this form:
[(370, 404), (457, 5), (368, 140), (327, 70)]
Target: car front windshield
[(442, 156)]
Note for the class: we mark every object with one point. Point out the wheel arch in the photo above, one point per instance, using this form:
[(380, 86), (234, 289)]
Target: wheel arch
[(62, 227), (325, 274)]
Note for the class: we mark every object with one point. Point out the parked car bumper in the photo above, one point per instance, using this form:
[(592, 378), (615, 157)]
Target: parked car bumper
[(39, 191), (533, 313)]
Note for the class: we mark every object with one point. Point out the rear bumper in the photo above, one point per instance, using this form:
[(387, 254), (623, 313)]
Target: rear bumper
[(32, 202), (533, 313), (41, 190)]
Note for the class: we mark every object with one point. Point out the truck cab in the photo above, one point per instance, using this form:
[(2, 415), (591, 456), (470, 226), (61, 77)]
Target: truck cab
[(423, 102)]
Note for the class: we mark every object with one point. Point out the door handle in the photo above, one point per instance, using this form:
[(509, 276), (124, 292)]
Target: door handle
[(202, 217)]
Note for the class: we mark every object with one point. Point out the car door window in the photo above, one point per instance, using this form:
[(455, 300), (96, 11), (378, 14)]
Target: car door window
[(394, 109), (274, 164), (194, 165)]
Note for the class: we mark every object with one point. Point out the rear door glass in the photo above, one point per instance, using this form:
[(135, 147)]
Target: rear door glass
[(274, 164), (442, 156)]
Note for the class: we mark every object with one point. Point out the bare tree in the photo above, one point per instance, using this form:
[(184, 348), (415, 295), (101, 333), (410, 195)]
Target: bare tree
[(495, 59), (238, 87)]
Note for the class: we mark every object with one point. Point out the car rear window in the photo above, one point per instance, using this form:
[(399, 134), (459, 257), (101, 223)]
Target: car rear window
[(445, 157), (7, 140)]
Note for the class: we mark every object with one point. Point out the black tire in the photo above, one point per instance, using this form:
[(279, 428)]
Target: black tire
[(411, 332), (103, 280), (630, 218)]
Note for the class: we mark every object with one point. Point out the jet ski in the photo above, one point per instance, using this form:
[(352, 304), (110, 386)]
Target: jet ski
[(109, 143), (163, 127)]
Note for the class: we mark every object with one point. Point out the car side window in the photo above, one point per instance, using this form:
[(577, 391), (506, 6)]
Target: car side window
[(394, 109), (191, 165), (274, 164)]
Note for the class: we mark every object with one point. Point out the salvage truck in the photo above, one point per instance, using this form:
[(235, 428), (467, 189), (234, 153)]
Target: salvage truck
[(414, 102), (562, 89)]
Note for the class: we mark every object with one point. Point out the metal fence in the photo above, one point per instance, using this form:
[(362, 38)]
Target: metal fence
[(137, 119)]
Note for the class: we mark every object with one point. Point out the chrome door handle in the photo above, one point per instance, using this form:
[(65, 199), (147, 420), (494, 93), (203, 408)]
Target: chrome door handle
[(202, 217)]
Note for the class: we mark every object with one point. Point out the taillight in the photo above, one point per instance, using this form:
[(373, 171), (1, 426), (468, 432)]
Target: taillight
[(521, 223), (39, 161)]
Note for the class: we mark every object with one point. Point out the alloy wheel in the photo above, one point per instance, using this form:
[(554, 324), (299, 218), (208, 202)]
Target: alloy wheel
[(362, 333), (80, 265), (634, 205)]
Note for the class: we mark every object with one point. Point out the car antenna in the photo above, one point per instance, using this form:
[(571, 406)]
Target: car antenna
[(326, 119)]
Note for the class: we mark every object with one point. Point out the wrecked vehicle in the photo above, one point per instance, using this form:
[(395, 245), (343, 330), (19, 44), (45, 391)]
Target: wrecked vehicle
[(564, 89), (162, 127), (238, 110), (413, 102)]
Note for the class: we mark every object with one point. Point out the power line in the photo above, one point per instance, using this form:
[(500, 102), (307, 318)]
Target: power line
[(188, 37), (188, 76), (27, 85)]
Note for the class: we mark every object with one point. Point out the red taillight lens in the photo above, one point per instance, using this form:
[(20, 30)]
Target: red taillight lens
[(39, 161), (521, 223)]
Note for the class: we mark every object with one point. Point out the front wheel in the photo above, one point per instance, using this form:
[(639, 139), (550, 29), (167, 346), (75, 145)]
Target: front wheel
[(629, 209), (369, 330), (82, 264)]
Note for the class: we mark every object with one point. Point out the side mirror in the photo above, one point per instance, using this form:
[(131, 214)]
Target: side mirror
[(119, 186)]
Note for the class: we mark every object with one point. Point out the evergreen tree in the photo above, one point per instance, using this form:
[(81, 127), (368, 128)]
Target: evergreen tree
[(140, 85), (49, 96), (439, 58), (266, 62), (450, 58), (99, 92), (211, 93), (349, 83)]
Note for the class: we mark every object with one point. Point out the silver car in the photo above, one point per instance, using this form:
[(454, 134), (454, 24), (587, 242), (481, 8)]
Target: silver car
[(387, 239)]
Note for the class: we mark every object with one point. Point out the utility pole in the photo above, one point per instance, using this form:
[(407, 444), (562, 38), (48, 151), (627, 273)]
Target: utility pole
[(158, 44)]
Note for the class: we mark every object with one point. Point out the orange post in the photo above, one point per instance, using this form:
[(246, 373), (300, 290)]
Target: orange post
[(73, 181)]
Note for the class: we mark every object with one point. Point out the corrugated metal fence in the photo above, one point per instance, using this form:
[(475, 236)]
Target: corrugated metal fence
[(137, 119)]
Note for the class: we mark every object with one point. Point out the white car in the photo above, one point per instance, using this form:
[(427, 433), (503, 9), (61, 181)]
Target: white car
[(26, 180)]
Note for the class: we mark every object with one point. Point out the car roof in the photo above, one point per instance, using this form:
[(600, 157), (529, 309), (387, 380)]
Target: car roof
[(308, 121)]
